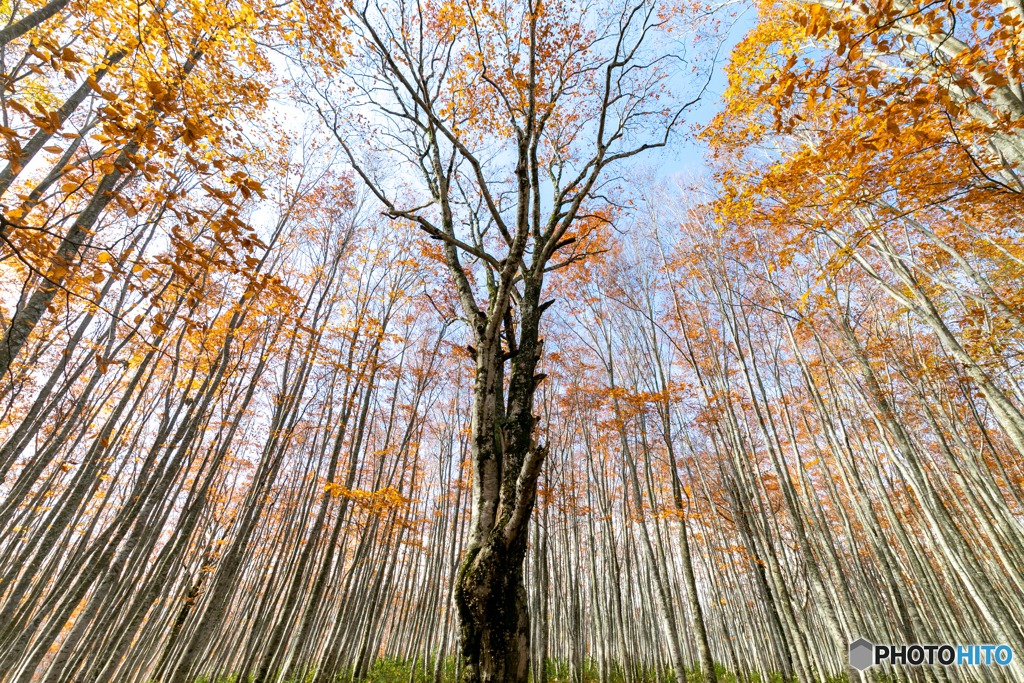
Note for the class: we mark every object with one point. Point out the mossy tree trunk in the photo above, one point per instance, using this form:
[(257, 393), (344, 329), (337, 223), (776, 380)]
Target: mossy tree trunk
[(489, 593)]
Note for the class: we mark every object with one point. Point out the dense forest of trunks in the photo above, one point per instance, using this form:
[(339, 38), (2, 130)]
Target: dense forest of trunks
[(266, 268)]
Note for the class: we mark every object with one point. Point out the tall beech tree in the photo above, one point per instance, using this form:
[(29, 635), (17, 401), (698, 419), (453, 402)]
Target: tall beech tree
[(490, 127)]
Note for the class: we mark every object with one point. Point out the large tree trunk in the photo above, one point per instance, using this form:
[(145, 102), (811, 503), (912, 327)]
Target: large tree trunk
[(494, 619), (490, 595)]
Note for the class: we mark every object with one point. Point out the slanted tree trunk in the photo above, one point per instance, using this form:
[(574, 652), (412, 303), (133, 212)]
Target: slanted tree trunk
[(27, 23)]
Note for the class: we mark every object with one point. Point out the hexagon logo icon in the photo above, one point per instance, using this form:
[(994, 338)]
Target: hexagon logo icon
[(862, 654)]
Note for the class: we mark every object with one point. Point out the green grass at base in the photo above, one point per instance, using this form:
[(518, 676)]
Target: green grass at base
[(558, 671)]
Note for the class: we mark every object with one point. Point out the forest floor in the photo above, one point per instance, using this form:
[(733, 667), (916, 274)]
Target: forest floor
[(558, 671), (561, 671)]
